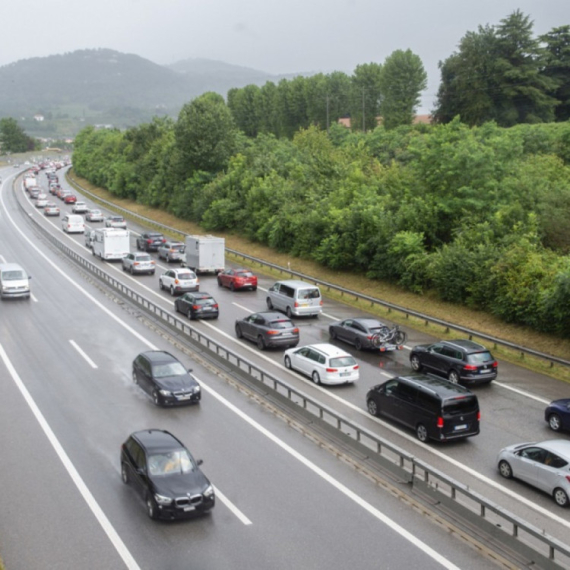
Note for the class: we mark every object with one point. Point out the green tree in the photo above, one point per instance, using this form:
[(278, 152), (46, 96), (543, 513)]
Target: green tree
[(366, 96), (403, 79), (205, 134), (557, 67), (13, 138)]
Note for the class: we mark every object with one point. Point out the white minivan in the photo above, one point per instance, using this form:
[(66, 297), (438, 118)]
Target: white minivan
[(295, 298), (14, 281), (73, 223)]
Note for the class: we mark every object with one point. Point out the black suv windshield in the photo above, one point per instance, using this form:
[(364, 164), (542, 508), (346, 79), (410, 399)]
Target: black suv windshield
[(170, 463)]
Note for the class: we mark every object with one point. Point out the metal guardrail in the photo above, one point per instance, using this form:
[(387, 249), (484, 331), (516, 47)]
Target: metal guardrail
[(527, 540), (331, 286)]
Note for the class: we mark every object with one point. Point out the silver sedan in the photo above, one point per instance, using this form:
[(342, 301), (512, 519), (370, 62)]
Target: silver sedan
[(544, 465)]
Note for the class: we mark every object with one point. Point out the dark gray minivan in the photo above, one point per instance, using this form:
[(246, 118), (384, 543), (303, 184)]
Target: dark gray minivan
[(433, 407)]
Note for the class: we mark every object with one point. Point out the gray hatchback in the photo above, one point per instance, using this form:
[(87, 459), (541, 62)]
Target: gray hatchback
[(268, 329), (139, 263)]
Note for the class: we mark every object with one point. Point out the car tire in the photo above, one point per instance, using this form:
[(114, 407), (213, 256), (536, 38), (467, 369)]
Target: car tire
[(220, 284), (316, 378), (372, 407), (232, 287), (132, 271), (505, 469), (422, 433), (151, 509), (239, 332), (135, 379), (288, 312), (172, 291), (269, 304), (415, 363), (287, 362), (254, 288), (125, 473), (156, 398), (554, 422), (358, 344), (332, 333), (152, 272), (190, 315), (160, 285), (453, 376), (261, 343), (561, 497)]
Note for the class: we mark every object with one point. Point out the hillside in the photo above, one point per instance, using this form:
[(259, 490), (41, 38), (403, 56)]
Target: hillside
[(108, 87)]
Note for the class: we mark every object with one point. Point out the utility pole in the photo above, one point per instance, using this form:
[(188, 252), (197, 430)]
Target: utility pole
[(363, 113), (328, 128)]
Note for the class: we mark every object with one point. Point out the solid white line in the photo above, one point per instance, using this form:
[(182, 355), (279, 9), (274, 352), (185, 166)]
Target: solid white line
[(76, 346), (73, 473), (231, 506), (34, 299), (522, 392), (2, 259), (339, 486)]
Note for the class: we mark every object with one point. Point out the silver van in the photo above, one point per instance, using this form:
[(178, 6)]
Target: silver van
[(14, 281), (295, 298)]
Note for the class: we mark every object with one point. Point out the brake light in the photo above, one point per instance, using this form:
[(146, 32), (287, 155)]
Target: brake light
[(195, 307), (176, 281), (470, 367), (296, 331), (355, 367), (273, 332), (148, 241), (136, 263), (321, 303), (440, 422), (296, 304), (495, 364), (215, 306), (171, 250), (479, 416), (332, 369), (568, 478)]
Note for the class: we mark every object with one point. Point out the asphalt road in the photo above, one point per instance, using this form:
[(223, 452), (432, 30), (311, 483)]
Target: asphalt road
[(68, 402)]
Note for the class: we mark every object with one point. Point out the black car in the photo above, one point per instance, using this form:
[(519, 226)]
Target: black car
[(557, 414), (165, 475), (164, 377), (364, 333), (268, 329), (458, 360), (150, 241), (197, 305)]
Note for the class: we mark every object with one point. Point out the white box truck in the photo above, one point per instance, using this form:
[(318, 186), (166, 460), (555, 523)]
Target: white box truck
[(111, 243), (205, 254)]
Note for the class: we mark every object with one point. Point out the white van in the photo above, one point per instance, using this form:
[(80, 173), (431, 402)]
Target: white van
[(73, 223), (295, 298), (14, 281)]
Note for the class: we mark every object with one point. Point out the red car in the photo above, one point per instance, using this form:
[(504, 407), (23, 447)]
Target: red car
[(237, 279), (71, 199)]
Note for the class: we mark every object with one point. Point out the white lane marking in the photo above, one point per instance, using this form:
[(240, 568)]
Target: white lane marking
[(399, 432), (79, 287), (522, 392), (70, 468), (230, 505), (34, 299), (82, 353), (2, 259), (338, 485)]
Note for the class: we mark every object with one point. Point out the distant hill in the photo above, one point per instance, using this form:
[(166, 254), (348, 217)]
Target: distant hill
[(105, 86)]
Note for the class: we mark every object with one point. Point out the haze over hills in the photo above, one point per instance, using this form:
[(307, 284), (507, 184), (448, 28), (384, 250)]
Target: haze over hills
[(105, 86)]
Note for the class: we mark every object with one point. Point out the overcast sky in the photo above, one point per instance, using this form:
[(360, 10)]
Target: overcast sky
[(276, 36)]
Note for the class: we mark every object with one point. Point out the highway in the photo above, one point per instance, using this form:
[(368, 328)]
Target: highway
[(282, 501)]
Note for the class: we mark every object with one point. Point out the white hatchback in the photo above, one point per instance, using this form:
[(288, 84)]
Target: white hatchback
[(323, 363), (179, 281)]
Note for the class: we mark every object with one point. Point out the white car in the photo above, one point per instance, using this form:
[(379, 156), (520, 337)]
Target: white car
[(323, 363), (179, 281), (94, 216), (116, 222), (80, 208), (544, 465), (51, 209), (89, 237), (41, 201)]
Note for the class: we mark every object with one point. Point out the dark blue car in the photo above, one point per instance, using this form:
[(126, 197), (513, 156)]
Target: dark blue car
[(558, 414)]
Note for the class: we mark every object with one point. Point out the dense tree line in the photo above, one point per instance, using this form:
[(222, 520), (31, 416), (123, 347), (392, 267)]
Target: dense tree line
[(505, 74), (477, 214), (391, 90), (13, 138)]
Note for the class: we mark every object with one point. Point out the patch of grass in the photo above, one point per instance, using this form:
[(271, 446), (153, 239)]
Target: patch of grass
[(426, 304)]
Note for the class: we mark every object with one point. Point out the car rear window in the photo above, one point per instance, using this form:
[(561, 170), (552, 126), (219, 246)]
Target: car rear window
[(143, 257), (341, 361), (309, 293), (460, 405), (479, 357), (281, 324), (208, 301), (186, 275), (244, 273), (177, 246)]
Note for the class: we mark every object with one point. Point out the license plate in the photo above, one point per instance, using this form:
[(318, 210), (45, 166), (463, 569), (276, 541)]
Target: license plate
[(485, 371), (286, 334), (206, 308), (462, 426), (345, 374), (184, 397), (188, 509)]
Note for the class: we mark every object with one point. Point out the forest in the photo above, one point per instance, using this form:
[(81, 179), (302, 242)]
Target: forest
[(476, 213)]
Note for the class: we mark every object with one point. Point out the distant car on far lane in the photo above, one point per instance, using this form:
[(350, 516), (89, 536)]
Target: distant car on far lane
[(51, 209), (171, 251), (115, 222), (94, 216), (80, 208)]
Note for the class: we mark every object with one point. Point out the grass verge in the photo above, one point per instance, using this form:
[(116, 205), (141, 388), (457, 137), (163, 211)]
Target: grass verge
[(427, 304)]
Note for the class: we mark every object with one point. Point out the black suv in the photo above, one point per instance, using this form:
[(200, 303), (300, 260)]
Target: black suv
[(433, 407), (165, 475), (150, 241), (459, 360), (197, 306), (164, 377)]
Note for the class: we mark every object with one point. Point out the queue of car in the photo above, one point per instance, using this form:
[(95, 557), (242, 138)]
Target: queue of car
[(431, 400)]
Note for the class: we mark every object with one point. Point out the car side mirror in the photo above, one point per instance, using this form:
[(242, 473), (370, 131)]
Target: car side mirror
[(199, 462), (190, 370), (29, 276)]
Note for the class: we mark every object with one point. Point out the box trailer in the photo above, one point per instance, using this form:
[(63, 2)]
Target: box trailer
[(205, 254), (111, 243)]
